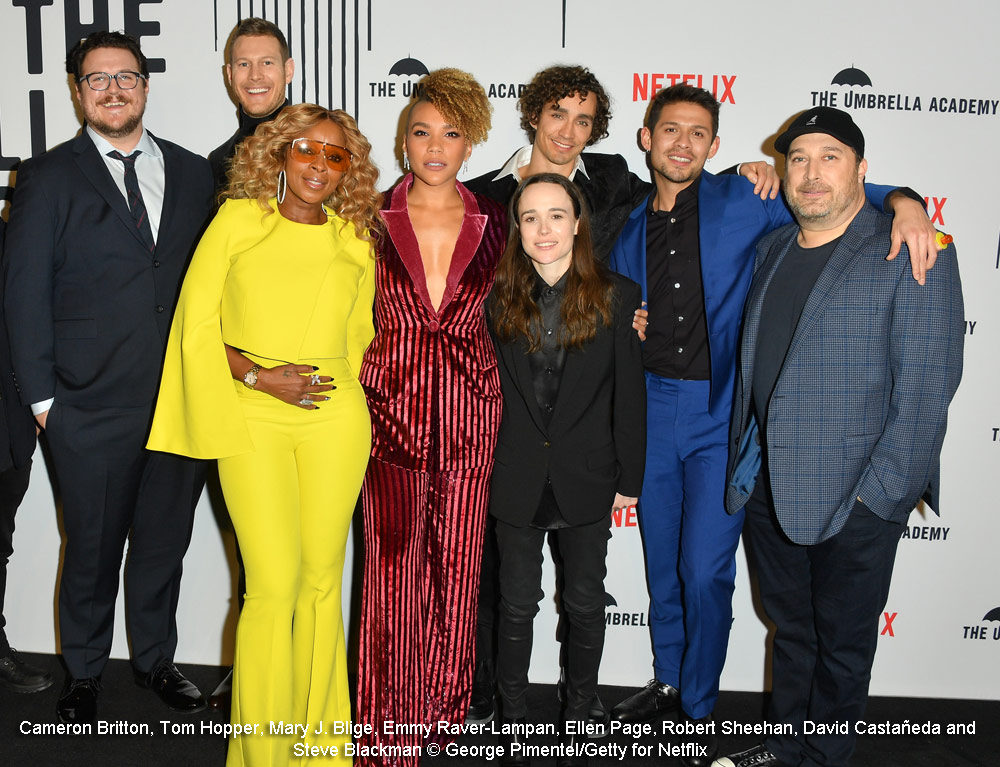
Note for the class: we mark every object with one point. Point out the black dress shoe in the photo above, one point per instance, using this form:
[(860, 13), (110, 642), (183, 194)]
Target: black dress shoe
[(512, 737), (482, 704), (571, 754), (173, 688), (20, 676), (654, 701), (758, 756), (221, 698), (77, 703), (703, 739)]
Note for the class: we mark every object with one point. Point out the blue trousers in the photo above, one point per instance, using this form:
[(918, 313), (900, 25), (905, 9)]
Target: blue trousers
[(689, 539)]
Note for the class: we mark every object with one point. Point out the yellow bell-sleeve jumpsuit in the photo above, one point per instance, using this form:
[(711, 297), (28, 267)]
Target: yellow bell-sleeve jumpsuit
[(281, 292)]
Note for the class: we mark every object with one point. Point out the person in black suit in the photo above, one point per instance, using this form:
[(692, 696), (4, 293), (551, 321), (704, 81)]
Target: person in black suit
[(17, 443), (101, 230), (572, 440)]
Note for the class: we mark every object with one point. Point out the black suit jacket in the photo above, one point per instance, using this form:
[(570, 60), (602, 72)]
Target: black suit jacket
[(610, 189), (17, 426), (595, 443), (88, 306)]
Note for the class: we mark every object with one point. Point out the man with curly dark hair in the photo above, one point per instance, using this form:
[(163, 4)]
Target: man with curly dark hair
[(564, 110)]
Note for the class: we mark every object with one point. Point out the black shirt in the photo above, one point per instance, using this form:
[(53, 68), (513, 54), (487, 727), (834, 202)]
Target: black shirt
[(546, 374), (677, 338), (220, 157), (791, 284)]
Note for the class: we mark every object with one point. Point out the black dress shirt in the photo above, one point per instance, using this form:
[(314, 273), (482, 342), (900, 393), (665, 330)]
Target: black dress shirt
[(677, 338), (219, 157), (546, 374)]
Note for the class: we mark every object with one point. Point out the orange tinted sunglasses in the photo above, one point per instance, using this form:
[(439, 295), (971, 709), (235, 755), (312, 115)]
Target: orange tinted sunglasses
[(305, 150)]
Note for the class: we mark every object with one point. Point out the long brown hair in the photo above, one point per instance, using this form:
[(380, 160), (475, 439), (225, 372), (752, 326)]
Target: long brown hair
[(254, 170), (589, 294)]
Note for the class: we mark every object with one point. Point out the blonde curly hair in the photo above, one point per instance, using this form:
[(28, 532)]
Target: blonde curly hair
[(253, 173), (460, 100)]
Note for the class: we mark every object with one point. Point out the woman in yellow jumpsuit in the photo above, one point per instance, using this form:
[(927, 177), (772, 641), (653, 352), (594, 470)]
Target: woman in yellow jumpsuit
[(273, 318)]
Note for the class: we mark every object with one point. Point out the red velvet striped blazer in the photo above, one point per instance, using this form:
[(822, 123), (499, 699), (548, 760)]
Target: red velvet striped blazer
[(431, 377)]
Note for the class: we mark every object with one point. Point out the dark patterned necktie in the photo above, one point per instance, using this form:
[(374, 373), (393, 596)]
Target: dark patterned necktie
[(135, 202)]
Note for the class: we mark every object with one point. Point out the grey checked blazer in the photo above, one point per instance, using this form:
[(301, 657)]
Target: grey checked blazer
[(861, 403)]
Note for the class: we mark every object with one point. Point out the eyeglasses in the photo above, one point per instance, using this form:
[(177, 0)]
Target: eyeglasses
[(101, 81), (306, 150)]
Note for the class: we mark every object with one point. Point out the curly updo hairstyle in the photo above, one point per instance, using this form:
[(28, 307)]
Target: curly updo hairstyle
[(460, 100), (253, 173)]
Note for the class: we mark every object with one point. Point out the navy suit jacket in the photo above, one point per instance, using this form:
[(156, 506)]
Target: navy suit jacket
[(861, 403), (88, 307), (17, 426)]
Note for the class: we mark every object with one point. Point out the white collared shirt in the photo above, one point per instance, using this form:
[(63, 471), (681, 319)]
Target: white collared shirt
[(522, 157), (148, 169)]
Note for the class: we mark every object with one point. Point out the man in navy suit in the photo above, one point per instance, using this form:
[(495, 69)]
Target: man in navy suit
[(17, 443), (846, 371), (100, 234), (690, 245)]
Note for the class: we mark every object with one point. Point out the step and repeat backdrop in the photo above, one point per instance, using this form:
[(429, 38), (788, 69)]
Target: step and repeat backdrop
[(919, 80)]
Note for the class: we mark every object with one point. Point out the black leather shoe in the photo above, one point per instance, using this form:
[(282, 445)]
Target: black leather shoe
[(20, 676), (221, 698), (654, 701), (571, 753), (482, 704), (77, 703), (512, 737), (758, 756), (173, 688), (703, 740)]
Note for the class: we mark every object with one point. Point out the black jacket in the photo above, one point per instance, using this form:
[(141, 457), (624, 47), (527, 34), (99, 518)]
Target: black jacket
[(595, 443)]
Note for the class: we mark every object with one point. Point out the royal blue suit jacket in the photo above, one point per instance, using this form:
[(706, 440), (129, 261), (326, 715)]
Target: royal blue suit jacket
[(860, 406), (731, 219)]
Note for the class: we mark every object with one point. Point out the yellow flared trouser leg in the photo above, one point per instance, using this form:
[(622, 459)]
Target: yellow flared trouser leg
[(291, 502)]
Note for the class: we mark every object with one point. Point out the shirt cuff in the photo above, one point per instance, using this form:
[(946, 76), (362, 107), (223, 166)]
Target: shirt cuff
[(38, 408)]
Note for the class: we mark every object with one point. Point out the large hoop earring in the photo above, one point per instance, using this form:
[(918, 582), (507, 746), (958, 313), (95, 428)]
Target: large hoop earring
[(282, 186)]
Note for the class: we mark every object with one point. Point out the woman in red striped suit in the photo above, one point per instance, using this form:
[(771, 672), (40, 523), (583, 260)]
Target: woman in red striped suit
[(434, 396)]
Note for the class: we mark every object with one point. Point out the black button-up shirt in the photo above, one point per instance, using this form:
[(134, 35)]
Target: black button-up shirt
[(546, 374), (677, 338)]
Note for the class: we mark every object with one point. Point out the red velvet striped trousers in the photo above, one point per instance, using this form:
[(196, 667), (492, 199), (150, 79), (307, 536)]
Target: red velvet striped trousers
[(423, 544)]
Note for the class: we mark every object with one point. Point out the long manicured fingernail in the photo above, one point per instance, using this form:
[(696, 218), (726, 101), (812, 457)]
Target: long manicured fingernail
[(315, 368)]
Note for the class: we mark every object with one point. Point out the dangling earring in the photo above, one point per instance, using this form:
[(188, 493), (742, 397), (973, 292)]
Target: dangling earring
[(465, 168), (282, 186), (406, 162)]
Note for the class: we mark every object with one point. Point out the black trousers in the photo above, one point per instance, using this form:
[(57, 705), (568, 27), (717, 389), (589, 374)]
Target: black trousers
[(583, 550), (114, 490), (13, 485), (825, 601)]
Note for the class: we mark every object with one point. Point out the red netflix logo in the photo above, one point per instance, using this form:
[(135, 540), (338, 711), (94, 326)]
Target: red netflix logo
[(887, 619), (937, 217), (645, 85), (625, 517)]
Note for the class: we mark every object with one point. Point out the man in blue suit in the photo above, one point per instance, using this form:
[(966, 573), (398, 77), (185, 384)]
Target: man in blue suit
[(846, 371), (690, 246)]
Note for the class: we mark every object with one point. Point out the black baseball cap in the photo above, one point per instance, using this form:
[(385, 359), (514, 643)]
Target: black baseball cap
[(834, 122)]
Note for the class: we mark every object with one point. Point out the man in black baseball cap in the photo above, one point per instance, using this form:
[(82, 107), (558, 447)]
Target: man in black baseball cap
[(832, 328), (833, 122)]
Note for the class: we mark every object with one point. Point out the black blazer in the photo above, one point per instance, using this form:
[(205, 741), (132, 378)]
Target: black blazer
[(610, 189), (595, 444), (17, 426), (88, 306)]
